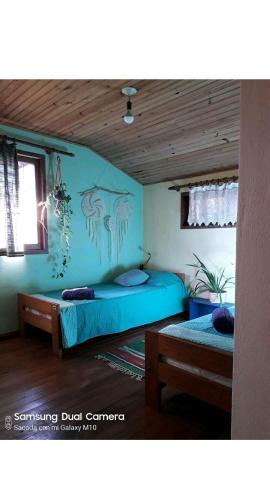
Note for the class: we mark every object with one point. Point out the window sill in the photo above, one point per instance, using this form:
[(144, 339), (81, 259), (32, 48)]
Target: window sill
[(27, 252)]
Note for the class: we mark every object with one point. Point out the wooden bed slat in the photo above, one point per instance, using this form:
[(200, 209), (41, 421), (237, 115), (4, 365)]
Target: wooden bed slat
[(214, 360), (38, 321), (40, 305), (196, 385)]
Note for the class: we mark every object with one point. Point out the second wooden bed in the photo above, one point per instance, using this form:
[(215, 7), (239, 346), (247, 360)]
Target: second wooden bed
[(199, 370)]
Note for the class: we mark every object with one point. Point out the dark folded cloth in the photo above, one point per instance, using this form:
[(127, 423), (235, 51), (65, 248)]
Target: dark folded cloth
[(84, 293)]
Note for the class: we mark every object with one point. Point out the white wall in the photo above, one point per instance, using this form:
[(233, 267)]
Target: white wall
[(171, 247), (251, 381)]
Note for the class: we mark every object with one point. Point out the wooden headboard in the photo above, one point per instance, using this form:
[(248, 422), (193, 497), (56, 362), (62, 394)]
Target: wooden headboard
[(180, 275)]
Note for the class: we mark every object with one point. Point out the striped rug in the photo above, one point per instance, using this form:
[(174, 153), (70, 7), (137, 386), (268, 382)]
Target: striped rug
[(128, 359)]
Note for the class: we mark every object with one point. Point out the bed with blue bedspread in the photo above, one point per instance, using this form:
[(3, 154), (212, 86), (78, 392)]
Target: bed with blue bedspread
[(114, 309), (193, 357)]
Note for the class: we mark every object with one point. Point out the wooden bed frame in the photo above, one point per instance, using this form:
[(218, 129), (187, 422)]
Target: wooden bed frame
[(45, 316), (158, 372)]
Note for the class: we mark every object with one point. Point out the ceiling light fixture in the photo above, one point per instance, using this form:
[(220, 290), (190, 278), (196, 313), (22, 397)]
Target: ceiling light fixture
[(128, 118)]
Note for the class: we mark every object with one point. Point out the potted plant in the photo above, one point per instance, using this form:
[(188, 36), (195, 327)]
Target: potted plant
[(58, 202), (215, 284)]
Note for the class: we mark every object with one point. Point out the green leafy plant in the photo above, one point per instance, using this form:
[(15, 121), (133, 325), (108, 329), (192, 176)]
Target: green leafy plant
[(207, 281), (58, 200)]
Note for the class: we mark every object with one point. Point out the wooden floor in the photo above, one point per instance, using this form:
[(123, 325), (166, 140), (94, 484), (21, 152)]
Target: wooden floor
[(33, 381)]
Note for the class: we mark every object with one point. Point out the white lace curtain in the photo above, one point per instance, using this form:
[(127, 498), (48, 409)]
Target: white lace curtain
[(213, 204)]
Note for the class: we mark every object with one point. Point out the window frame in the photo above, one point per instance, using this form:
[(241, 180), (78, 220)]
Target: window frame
[(39, 161), (184, 207)]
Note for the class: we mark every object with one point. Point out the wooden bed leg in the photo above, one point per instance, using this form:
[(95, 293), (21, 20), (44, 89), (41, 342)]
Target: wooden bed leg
[(22, 328), (56, 346), (20, 314), (152, 384), (56, 332)]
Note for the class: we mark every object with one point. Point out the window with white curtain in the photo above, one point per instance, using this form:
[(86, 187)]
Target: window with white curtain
[(213, 205)]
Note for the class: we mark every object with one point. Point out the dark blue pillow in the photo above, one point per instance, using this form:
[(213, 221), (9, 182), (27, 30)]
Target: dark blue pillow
[(222, 320)]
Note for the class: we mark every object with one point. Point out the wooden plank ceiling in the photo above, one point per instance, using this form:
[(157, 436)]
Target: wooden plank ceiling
[(181, 127)]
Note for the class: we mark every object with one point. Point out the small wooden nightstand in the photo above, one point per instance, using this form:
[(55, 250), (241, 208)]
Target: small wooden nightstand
[(199, 307)]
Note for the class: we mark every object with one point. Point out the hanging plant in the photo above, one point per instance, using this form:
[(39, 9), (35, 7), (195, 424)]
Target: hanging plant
[(58, 200)]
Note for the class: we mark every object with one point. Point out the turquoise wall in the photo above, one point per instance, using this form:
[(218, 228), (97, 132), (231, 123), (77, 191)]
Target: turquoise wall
[(32, 273)]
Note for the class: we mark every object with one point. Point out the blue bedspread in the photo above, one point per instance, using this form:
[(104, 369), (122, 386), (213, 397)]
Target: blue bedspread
[(116, 308), (201, 331)]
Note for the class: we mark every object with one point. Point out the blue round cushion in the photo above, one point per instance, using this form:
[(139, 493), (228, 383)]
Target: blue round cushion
[(222, 320)]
